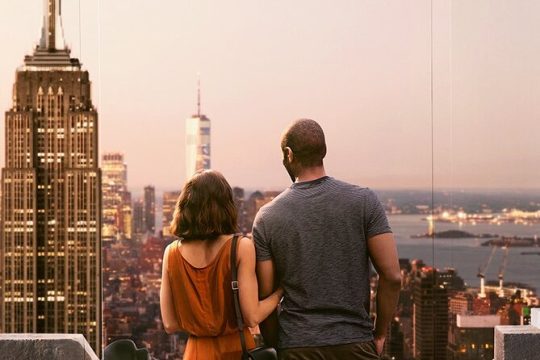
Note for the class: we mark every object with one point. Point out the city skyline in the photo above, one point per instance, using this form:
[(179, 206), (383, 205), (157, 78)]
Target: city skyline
[(361, 69), (80, 254)]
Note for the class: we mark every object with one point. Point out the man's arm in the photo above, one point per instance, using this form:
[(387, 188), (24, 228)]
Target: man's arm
[(254, 310), (383, 254), (266, 278)]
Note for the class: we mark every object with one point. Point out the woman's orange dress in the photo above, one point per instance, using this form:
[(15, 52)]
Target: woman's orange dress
[(204, 306)]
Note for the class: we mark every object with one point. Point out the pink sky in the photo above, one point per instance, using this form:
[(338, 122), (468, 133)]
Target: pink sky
[(360, 68)]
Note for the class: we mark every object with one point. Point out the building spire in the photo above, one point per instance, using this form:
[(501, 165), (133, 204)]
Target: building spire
[(198, 95), (52, 33)]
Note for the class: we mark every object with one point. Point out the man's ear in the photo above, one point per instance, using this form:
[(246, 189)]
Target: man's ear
[(289, 154)]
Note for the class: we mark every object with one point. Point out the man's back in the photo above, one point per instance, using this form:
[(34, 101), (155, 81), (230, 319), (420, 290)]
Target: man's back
[(316, 233)]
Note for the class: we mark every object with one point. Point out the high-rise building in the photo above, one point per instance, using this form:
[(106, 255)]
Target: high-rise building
[(471, 337), (116, 199), (150, 209), (50, 253), (139, 226), (461, 303), (393, 348), (126, 218), (430, 315), (169, 204), (197, 141)]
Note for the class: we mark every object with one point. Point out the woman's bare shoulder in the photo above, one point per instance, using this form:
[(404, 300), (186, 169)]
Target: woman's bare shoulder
[(174, 245), (246, 247)]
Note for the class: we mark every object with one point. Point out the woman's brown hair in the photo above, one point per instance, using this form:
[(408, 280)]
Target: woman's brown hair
[(205, 208)]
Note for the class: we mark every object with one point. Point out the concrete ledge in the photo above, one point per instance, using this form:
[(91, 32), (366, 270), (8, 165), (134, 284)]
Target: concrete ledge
[(517, 342), (45, 347)]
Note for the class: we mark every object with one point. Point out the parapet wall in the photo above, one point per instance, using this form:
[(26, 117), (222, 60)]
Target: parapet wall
[(519, 342), (45, 347)]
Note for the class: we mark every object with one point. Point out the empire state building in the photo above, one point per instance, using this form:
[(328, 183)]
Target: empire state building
[(50, 222)]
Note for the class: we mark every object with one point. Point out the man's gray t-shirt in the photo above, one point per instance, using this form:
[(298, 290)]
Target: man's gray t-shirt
[(316, 232)]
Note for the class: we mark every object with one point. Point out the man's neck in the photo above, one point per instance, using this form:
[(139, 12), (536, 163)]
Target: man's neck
[(310, 174)]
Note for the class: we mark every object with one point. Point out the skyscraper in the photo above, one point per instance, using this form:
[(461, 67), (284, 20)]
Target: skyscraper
[(50, 253), (116, 198), (394, 345), (150, 209), (138, 222), (197, 141), (169, 204), (430, 315), (126, 218)]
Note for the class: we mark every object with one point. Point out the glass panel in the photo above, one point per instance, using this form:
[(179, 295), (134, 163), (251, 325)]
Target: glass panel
[(486, 192)]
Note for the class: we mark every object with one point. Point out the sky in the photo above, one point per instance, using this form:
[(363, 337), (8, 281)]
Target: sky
[(362, 69)]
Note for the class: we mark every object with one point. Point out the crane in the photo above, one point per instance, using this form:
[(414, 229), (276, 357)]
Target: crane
[(482, 270), (502, 269)]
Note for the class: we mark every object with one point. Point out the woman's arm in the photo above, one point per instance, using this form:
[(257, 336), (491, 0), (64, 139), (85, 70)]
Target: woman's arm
[(168, 315), (253, 310)]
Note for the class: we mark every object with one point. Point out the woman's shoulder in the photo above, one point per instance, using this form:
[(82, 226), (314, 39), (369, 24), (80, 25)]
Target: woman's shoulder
[(246, 247), (173, 246), (170, 250), (244, 240)]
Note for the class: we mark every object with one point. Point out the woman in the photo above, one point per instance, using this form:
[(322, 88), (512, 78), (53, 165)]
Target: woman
[(196, 295)]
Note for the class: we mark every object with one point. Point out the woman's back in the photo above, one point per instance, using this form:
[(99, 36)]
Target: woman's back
[(196, 294), (203, 300)]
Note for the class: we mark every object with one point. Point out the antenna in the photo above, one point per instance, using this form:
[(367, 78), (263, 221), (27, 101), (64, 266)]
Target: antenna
[(52, 33), (199, 95)]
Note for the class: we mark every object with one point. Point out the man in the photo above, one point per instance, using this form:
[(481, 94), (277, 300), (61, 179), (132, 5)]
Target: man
[(315, 240)]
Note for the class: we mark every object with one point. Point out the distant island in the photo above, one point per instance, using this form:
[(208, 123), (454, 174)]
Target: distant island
[(453, 234), (495, 239), (513, 241)]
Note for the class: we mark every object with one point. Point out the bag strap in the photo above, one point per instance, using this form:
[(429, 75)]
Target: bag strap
[(234, 286)]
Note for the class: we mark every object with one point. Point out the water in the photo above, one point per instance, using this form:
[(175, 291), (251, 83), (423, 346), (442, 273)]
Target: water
[(467, 255)]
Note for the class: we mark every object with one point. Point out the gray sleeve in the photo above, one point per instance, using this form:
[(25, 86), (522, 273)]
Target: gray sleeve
[(262, 246), (377, 222)]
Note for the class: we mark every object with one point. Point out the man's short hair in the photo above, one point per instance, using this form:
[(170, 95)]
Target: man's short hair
[(305, 137)]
